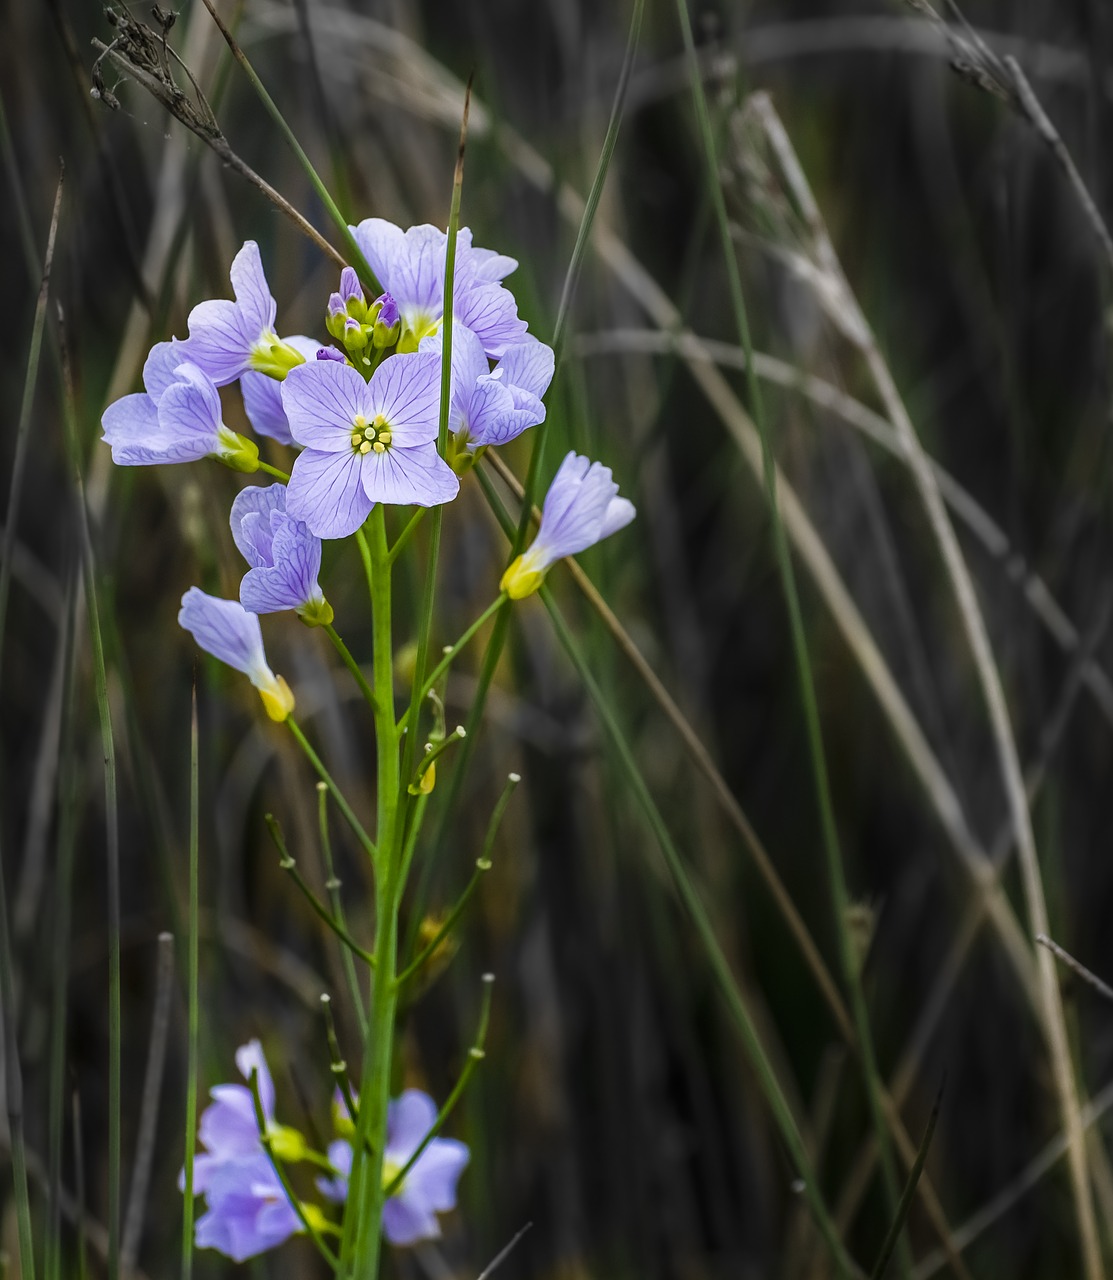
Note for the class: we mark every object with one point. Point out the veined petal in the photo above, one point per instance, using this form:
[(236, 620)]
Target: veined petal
[(417, 273), (401, 476), (469, 364), (160, 367), (618, 515), (226, 630), (218, 342), (259, 501), (490, 414), (321, 400), (262, 395), (326, 492), (291, 580), (406, 390), (528, 366), (491, 313), (132, 429), (253, 296), (383, 244)]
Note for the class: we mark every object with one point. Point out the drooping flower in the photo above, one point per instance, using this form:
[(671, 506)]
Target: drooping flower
[(365, 442), (581, 508), (428, 1188), (177, 419), (411, 264), (262, 394), (491, 407), (225, 629), (227, 339), (248, 1210), (285, 557)]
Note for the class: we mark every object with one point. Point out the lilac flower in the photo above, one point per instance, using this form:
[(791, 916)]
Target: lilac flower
[(581, 508), (228, 338), (285, 557), (248, 1210), (411, 264), (225, 629), (366, 442), (428, 1188), (177, 419), (491, 407), (262, 394)]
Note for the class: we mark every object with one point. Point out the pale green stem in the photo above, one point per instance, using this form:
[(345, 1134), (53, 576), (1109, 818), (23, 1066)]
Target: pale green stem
[(450, 654), (326, 777), (333, 886), (353, 666), (194, 997)]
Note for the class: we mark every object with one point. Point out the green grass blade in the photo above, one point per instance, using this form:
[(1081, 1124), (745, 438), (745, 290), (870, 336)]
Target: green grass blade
[(192, 980), (840, 894)]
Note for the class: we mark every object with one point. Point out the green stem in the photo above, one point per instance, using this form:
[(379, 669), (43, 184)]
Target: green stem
[(407, 533), (361, 1240), (475, 1056), (333, 887), (280, 1173), (291, 868), (284, 476), (337, 795), (450, 654), (353, 666)]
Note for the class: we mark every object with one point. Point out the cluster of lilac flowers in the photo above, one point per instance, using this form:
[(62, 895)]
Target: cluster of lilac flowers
[(247, 1209), (362, 417)]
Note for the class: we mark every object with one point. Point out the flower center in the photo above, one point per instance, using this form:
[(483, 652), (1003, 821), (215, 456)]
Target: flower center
[(367, 436), (391, 1171)]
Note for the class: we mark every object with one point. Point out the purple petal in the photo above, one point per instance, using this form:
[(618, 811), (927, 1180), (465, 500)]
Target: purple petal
[(433, 1178), (132, 428), (322, 400), (262, 395), (469, 364), (249, 1057), (388, 310), (227, 1127), (618, 515), (340, 1157), (331, 353), (529, 366), (408, 1119), (226, 630), (326, 492), (382, 244), (491, 313), (487, 265), (160, 365), (492, 417), (418, 476), (253, 296), (406, 390), (404, 1223), (248, 1210), (292, 580), (254, 543), (416, 275), (579, 510), (218, 341)]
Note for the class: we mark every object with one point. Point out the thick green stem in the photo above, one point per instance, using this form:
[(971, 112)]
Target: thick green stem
[(361, 1240)]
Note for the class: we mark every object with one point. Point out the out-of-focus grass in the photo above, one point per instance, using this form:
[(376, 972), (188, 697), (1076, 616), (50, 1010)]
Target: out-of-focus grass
[(614, 1108)]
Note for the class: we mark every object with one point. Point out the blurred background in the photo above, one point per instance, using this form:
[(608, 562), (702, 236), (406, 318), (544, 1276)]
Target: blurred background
[(616, 1109)]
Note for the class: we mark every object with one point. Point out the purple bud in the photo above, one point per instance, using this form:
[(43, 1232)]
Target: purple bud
[(336, 305), (330, 353), (388, 310), (350, 288)]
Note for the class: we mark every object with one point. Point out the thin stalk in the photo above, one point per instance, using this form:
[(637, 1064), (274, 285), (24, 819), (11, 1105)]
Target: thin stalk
[(337, 795), (333, 887), (476, 1055), (407, 533), (835, 869), (193, 983), (291, 868), (360, 263), (451, 653), (266, 467), (353, 666), (482, 866), (909, 1192), (337, 1064), (112, 828), (63, 900), (417, 694), (361, 1238), (280, 1174)]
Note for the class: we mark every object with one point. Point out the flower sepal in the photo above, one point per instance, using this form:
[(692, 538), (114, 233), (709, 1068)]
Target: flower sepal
[(237, 452), (316, 613), (285, 1142), (522, 578), (278, 699), (275, 358)]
